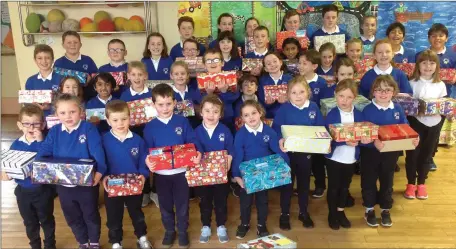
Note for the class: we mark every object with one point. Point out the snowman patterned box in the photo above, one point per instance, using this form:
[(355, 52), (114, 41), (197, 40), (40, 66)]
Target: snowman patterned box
[(273, 241), (124, 185), (275, 91), (353, 131), (265, 173), (81, 76), (141, 111), (308, 139), (35, 96), (211, 171), (63, 171), (16, 164)]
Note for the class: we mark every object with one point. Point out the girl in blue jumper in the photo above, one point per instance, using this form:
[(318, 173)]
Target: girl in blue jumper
[(298, 111), (275, 75), (383, 54), (155, 57), (227, 44), (344, 69), (375, 165), (76, 138), (340, 163), (214, 136), (291, 49), (253, 140), (328, 56)]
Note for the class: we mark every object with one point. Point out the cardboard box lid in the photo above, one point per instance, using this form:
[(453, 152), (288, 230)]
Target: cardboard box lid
[(310, 132)]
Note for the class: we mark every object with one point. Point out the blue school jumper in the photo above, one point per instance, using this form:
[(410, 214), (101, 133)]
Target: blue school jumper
[(233, 64), (318, 86), (228, 100), (399, 76), (266, 80), (221, 139), (320, 32), (238, 103), (254, 55), (367, 41), (163, 69), (82, 143), (194, 95), (96, 103), (176, 51), (36, 82), (329, 73), (404, 55)]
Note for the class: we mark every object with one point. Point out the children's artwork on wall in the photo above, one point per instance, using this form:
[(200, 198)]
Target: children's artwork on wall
[(241, 11), (200, 12), (266, 14), (7, 35)]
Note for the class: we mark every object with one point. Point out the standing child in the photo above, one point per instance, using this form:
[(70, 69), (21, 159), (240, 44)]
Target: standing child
[(275, 75), (369, 29), (248, 86), (78, 139), (186, 26), (250, 25), (261, 40), (227, 45), (35, 202), (126, 153), (172, 187), (374, 164), (155, 57), (103, 84), (225, 22), (308, 63), (330, 14), (396, 34), (383, 54), (298, 111), (116, 52), (254, 140), (328, 56), (344, 69), (46, 78), (426, 84), (291, 21), (340, 163), (214, 136)]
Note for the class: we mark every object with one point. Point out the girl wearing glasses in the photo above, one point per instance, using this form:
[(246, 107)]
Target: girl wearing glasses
[(383, 54), (156, 58)]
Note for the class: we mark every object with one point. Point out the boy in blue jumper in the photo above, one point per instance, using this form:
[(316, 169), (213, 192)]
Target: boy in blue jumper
[(396, 34), (78, 139), (186, 26), (172, 187), (330, 14), (261, 41), (46, 78), (126, 153), (116, 52), (35, 202), (155, 57), (308, 64)]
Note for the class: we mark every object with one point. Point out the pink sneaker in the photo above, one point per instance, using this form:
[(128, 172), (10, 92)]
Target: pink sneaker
[(410, 191), (421, 193)]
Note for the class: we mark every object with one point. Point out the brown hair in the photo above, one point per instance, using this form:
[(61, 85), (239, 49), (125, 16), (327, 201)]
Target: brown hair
[(116, 106), (179, 64), (80, 89), (328, 8), (255, 104), (247, 77), (427, 55), (436, 27), (347, 84), (65, 97), (191, 40), (383, 41), (344, 61), (162, 90), (31, 110), (70, 33), (299, 79), (368, 17), (261, 28), (228, 35), (185, 19), (251, 19), (312, 55), (387, 80), (43, 48), (328, 46), (147, 53), (283, 67), (355, 40), (287, 16), (219, 19), (113, 41), (213, 99), (213, 51), (136, 64)]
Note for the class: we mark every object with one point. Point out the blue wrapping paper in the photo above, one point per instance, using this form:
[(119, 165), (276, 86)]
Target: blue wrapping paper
[(265, 173), (63, 171), (81, 76)]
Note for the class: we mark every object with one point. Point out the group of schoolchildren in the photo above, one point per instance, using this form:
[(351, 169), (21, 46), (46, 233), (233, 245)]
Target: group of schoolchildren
[(118, 148)]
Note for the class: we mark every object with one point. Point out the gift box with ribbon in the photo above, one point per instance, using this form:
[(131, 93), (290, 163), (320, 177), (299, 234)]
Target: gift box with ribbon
[(275, 91), (172, 157), (212, 170), (141, 111), (229, 77), (300, 35), (35, 96), (397, 137), (81, 76), (63, 171), (353, 131), (124, 185)]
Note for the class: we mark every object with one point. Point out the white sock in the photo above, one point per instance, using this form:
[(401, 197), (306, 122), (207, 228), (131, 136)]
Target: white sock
[(369, 209)]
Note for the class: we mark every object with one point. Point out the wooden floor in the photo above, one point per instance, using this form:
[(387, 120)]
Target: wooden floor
[(417, 224)]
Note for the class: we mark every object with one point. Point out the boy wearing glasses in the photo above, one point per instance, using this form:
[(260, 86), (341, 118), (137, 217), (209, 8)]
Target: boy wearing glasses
[(35, 202), (116, 52)]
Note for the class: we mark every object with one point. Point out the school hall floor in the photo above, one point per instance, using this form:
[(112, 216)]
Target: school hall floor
[(416, 224)]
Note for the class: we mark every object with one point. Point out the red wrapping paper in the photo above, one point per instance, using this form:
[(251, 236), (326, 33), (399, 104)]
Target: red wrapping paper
[(275, 91), (362, 66), (141, 111), (448, 75), (124, 185), (407, 68), (330, 79), (353, 131), (213, 170), (183, 154), (162, 157), (300, 35), (238, 123), (396, 132), (229, 77), (177, 156)]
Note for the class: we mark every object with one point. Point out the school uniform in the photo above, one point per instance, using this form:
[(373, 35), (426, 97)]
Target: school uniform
[(82, 142), (95, 103), (125, 157), (300, 163), (256, 55), (329, 72), (250, 144), (35, 203), (238, 103), (340, 162), (379, 166), (213, 44), (214, 196), (267, 80), (37, 82), (158, 69), (317, 86), (109, 68), (177, 50), (130, 95), (368, 80), (323, 32), (404, 55), (428, 128), (232, 64), (192, 94), (172, 186), (367, 41), (228, 98)]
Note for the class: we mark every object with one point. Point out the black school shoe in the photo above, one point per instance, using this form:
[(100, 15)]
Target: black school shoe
[(386, 218), (350, 202), (318, 193), (235, 189), (432, 166), (333, 222), (343, 220), (284, 222), (370, 218), (183, 240), (169, 238), (306, 220), (262, 231), (242, 230)]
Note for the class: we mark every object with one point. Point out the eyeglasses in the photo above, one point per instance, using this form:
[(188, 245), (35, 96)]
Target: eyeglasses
[(213, 61), (116, 50), (192, 50), (34, 125), (384, 91)]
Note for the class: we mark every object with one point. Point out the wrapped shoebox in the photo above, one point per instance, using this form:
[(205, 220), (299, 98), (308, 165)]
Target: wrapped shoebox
[(141, 111), (292, 66), (248, 64), (300, 35), (119, 77), (448, 132), (265, 173), (337, 40), (177, 156), (81, 76), (448, 75), (16, 163), (407, 68), (124, 185), (249, 44), (362, 66), (96, 113), (275, 91), (52, 120), (272, 241), (353, 131), (35, 96), (308, 139), (409, 104), (330, 79), (185, 108), (63, 171), (212, 170), (397, 137), (229, 77), (442, 106), (329, 103), (195, 65), (238, 123), (153, 83)]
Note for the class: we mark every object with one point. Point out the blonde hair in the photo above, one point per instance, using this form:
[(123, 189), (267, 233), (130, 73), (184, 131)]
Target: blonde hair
[(300, 79), (138, 65), (66, 97), (355, 40), (179, 64), (386, 80), (117, 106), (427, 55)]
